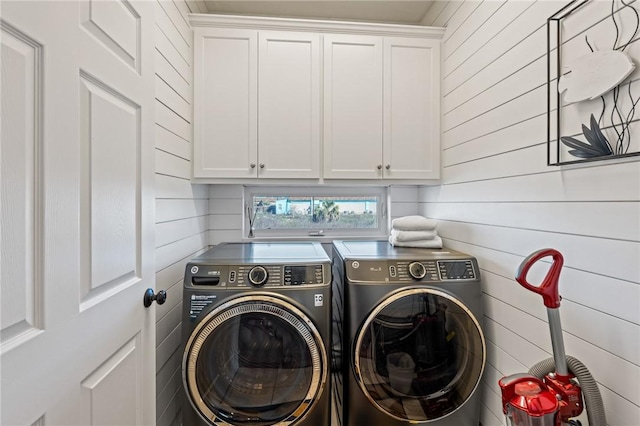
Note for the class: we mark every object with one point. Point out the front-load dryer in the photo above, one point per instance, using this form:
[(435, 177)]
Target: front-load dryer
[(407, 339), (256, 335)]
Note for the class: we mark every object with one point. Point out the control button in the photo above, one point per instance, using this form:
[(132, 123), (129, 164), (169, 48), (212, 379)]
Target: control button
[(392, 271), (258, 276), (417, 270), (232, 276)]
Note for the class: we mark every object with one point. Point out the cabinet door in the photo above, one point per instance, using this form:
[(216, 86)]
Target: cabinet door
[(289, 105), (352, 107), (411, 108), (225, 96)]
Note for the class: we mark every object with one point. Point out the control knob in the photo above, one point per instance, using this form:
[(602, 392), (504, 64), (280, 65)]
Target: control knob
[(258, 276), (417, 270)]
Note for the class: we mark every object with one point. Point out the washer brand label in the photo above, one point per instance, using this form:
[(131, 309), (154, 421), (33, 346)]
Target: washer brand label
[(199, 303)]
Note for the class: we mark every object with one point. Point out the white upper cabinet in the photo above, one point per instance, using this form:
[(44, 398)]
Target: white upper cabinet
[(226, 103), (257, 104), (288, 105), (411, 142), (381, 108), (352, 107), (284, 99)]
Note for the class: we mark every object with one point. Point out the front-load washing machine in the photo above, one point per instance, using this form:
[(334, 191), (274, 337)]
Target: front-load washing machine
[(256, 333), (407, 340)]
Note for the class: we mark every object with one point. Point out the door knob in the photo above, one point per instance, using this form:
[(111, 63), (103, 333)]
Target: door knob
[(388, 166), (252, 165), (379, 167), (262, 165), (149, 297)]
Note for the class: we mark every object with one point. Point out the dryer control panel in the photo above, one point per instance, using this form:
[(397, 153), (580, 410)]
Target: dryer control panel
[(257, 276), (372, 271)]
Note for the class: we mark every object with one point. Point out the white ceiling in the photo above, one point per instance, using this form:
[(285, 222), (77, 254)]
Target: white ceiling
[(388, 11)]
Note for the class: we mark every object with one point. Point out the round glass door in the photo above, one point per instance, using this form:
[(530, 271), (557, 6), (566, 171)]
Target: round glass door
[(419, 355), (256, 359)]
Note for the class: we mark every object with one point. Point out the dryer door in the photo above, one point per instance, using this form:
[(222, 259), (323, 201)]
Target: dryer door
[(255, 359), (419, 355)]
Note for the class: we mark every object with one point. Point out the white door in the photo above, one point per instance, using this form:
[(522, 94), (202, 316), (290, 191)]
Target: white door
[(411, 108), (76, 175), (288, 105), (352, 107), (225, 105)]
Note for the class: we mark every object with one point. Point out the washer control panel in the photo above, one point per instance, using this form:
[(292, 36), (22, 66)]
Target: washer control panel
[(257, 276), (411, 270)]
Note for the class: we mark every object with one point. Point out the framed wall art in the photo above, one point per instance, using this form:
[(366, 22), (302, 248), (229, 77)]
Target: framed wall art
[(593, 82)]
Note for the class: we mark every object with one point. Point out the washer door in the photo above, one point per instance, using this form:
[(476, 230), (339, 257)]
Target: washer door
[(256, 359), (419, 355)]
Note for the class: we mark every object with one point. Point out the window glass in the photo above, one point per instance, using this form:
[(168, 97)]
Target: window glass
[(309, 211)]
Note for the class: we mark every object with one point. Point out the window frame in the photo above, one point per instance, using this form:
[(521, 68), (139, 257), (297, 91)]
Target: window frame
[(381, 192)]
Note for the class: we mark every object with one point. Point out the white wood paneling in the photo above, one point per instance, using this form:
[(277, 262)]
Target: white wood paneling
[(172, 165), (499, 201), (181, 208), (442, 20)]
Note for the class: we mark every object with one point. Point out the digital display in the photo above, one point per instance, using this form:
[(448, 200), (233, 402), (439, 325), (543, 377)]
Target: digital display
[(303, 274), (298, 274), (456, 270)]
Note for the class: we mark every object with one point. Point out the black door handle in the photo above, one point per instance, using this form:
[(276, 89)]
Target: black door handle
[(149, 297)]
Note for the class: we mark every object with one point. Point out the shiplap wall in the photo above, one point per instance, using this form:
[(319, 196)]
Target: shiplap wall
[(225, 209), (499, 201), (181, 208)]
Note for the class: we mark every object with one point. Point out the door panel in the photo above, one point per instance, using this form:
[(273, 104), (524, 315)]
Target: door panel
[(77, 213), (20, 307), (110, 146)]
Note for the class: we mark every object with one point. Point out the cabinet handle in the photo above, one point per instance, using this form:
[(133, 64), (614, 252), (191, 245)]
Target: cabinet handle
[(388, 166), (379, 167), (262, 165), (252, 165)]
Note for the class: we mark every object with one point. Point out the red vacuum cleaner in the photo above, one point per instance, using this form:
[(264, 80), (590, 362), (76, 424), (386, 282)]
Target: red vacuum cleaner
[(551, 394)]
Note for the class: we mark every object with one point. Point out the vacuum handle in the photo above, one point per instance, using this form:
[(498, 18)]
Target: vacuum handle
[(548, 289)]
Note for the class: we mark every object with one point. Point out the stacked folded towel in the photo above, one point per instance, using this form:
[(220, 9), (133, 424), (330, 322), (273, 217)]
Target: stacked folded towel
[(414, 231)]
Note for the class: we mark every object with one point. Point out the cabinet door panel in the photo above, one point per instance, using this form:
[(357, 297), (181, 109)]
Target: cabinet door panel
[(289, 105), (225, 95), (352, 107), (411, 108)]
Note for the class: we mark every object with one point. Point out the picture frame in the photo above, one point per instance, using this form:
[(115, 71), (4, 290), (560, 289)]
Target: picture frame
[(599, 128)]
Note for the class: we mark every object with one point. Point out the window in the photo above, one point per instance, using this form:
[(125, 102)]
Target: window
[(298, 211)]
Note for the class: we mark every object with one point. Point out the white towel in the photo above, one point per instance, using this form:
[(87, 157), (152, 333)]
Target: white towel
[(413, 235), (435, 243), (414, 223)]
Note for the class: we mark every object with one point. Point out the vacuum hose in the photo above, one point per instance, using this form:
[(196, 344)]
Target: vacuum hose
[(589, 387)]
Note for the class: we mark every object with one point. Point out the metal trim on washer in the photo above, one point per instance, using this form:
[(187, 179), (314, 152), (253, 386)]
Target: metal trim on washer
[(265, 303), (371, 317)]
